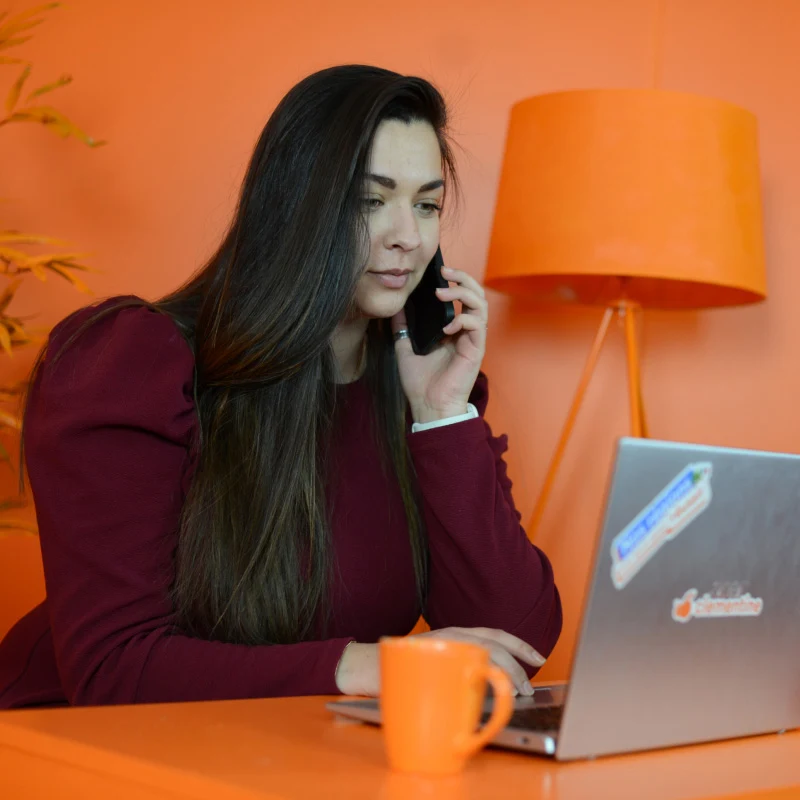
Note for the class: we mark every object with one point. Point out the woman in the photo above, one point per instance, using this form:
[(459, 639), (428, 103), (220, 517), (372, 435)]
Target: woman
[(241, 487)]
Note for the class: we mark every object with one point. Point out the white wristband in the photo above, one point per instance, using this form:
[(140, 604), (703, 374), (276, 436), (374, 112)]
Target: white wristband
[(472, 412)]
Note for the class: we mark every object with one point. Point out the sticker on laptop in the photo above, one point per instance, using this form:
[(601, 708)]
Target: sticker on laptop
[(711, 606), (670, 512)]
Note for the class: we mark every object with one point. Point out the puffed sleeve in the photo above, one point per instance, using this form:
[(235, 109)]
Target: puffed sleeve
[(110, 437)]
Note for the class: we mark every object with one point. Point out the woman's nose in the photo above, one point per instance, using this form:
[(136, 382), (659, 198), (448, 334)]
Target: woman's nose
[(404, 229)]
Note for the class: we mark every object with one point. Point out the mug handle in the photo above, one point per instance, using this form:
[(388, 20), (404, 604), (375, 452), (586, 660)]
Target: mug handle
[(501, 712)]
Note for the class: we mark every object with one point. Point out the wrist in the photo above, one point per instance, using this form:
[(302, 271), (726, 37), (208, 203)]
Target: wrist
[(358, 670), (426, 414)]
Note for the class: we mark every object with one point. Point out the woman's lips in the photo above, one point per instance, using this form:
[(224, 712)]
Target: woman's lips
[(391, 281)]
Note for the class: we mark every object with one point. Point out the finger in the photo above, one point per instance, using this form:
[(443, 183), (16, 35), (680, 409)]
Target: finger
[(498, 654), (465, 322), (464, 278), (399, 322), (469, 298), (516, 646), (503, 659)]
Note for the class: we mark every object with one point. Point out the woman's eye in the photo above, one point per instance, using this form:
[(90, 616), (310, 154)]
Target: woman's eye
[(374, 203)]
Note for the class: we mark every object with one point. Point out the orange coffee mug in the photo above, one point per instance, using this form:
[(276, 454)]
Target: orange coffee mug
[(432, 693)]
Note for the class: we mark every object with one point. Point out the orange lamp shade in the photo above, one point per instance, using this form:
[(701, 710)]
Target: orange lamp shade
[(637, 194)]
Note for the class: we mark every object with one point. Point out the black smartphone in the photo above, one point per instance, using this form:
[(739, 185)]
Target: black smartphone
[(426, 314)]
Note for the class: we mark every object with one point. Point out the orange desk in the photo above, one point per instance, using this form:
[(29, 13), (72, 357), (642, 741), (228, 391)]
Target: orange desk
[(294, 748)]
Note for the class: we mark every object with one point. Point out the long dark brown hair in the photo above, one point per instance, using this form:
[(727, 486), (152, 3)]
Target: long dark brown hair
[(254, 557)]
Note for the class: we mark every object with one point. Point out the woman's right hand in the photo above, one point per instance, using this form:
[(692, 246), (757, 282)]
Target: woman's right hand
[(358, 672)]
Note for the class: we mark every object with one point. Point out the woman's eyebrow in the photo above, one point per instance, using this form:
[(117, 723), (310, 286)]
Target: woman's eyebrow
[(391, 183)]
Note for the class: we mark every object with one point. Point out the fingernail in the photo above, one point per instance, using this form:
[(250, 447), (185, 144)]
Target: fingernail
[(527, 689), (447, 269), (538, 658), (440, 289)]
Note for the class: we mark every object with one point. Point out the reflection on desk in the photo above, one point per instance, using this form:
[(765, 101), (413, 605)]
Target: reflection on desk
[(294, 748)]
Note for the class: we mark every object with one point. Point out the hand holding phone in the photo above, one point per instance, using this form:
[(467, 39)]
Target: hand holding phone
[(438, 368), (426, 314)]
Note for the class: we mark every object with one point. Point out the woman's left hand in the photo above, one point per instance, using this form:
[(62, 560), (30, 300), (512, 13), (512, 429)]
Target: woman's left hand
[(438, 385)]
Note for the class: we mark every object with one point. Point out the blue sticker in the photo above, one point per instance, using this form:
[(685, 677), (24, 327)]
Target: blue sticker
[(679, 504)]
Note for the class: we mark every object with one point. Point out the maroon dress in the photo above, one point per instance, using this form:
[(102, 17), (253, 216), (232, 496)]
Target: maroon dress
[(111, 446)]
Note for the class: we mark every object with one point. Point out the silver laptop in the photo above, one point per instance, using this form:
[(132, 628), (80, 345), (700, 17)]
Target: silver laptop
[(691, 625)]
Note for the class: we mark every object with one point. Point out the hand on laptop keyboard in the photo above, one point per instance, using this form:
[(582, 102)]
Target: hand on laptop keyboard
[(505, 650), (358, 671)]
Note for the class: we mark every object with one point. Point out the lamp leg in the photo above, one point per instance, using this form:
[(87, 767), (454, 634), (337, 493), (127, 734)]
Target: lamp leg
[(638, 419), (642, 415), (577, 401)]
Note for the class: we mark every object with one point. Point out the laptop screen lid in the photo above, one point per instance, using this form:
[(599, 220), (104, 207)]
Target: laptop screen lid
[(690, 626)]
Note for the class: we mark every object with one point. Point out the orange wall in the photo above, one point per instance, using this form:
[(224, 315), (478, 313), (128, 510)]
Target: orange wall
[(181, 89), (21, 579)]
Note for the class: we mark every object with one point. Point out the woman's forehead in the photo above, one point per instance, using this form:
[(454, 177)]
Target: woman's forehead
[(408, 154)]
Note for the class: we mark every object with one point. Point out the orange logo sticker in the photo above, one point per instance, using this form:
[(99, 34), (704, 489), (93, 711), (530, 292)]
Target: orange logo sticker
[(691, 606)]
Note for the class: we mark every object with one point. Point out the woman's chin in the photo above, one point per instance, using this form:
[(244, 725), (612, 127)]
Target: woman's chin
[(382, 307)]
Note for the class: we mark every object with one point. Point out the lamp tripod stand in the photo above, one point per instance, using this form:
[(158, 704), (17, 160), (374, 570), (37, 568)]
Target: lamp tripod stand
[(625, 311)]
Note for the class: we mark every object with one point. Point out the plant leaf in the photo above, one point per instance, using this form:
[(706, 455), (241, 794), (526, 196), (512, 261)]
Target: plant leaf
[(9, 395), (62, 81), (55, 120), (75, 281), (38, 272), (43, 114), (82, 268), (79, 267), (32, 12), (13, 255), (39, 338), (8, 294), (16, 525), (29, 238), (18, 333), (5, 44), (9, 392), (70, 264), (5, 340), (11, 22), (13, 96), (9, 421), (12, 27), (66, 258)]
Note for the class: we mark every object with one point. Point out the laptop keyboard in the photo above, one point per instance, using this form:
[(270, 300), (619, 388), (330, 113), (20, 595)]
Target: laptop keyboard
[(546, 718)]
